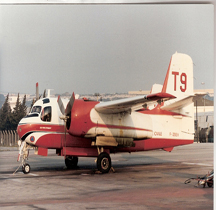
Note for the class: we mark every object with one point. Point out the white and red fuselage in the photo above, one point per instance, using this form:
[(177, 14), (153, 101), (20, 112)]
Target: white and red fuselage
[(159, 125), (150, 129)]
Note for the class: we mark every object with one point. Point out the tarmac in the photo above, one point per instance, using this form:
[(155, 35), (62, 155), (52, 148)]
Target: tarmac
[(149, 180)]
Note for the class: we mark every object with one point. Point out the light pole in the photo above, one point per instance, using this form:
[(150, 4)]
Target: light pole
[(203, 83)]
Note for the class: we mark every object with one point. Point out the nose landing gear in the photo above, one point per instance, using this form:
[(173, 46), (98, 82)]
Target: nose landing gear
[(23, 153)]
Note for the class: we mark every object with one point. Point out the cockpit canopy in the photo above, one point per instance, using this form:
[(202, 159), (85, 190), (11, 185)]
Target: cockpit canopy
[(45, 113)]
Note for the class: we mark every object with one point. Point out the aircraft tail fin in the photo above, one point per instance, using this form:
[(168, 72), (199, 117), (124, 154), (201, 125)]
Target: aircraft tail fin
[(179, 77), (179, 82)]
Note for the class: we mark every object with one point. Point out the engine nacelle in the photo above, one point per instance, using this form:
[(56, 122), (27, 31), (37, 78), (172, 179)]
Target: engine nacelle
[(80, 121)]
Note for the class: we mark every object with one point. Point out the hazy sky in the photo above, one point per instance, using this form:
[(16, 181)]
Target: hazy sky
[(101, 48)]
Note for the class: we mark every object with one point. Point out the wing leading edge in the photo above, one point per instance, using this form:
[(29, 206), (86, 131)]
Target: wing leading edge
[(133, 103)]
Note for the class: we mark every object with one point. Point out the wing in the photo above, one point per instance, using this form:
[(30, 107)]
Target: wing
[(131, 104)]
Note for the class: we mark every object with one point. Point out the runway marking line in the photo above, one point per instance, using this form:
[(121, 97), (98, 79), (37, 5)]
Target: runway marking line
[(33, 174), (17, 180), (200, 164)]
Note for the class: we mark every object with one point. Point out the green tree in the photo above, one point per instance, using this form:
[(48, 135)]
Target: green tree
[(16, 111), (15, 114), (9, 119), (33, 101), (23, 108), (19, 112), (5, 115)]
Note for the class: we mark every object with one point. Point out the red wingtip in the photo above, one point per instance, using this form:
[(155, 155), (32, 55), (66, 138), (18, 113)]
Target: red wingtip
[(156, 96), (37, 84)]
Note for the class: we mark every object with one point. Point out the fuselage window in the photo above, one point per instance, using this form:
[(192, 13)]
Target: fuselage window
[(36, 109), (46, 114), (45, 101)]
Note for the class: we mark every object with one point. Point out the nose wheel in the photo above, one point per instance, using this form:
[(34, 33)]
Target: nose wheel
[(26, 168)]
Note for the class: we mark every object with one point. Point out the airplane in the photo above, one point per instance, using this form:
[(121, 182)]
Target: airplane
[(77, 127)]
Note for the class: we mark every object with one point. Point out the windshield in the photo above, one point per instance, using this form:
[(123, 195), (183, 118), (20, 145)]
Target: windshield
[(36, 109)]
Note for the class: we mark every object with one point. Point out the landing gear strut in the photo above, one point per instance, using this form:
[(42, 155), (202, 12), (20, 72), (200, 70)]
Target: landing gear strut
[(103, 161), (71, 162), (24, 153)]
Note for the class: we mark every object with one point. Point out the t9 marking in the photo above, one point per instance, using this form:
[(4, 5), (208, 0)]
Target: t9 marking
[(183, 80)]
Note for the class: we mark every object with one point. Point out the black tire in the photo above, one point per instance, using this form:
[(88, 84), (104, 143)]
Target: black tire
[(187, 181), (71, 162), (104, 162), (26, 168), (210, 183)]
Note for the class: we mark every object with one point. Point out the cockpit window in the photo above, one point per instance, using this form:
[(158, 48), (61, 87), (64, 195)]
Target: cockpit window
[(36, 109), (46, 114), (32, 115)]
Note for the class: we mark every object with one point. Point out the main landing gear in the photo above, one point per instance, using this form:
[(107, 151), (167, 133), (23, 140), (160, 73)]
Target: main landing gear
[(71, 162), (103, 161)]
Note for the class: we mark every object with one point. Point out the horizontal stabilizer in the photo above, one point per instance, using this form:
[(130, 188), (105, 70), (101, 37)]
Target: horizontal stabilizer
[(178, 104)]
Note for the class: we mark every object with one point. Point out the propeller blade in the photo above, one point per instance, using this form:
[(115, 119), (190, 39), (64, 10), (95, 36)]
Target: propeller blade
[(44, 94), (70, 104), (61, 105), (37, 91)]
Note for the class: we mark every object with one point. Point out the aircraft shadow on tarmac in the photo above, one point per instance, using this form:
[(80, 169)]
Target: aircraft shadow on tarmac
[(88, 165)]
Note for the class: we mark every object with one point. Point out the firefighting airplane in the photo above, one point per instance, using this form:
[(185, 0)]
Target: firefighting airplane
[(162, 119)]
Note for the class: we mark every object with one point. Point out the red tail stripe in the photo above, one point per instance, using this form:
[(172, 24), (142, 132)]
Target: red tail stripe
[(166, 78)]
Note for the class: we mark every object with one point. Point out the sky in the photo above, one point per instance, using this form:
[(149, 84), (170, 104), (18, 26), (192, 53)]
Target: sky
[(102, 48)]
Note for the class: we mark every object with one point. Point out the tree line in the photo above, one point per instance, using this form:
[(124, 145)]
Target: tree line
[(9, 118)]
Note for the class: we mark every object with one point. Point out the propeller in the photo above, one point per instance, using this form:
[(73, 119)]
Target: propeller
[(70, 104), (66, 114), (44, 94)]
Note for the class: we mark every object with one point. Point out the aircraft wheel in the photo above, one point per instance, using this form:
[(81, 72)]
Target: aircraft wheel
[(210, 184), (71, 162), (104, 162), (26, 168)]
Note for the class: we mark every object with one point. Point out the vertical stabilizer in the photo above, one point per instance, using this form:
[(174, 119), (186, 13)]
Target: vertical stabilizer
[(179, 77), (179, 82)]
